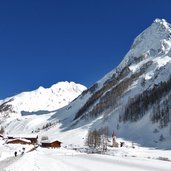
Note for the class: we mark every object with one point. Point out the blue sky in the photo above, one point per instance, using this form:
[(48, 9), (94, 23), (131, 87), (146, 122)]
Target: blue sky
[(43, 42)]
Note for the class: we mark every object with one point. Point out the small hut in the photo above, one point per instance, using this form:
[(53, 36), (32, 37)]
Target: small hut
[(51, 144)]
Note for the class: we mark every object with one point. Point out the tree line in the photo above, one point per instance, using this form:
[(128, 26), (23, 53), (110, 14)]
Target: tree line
[(138, 106), (107, 97)]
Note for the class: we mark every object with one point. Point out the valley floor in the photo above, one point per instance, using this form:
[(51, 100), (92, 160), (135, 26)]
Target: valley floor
[(70, 160)]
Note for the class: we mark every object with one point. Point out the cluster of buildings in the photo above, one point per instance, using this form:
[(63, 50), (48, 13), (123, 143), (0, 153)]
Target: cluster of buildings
[(31, 140)]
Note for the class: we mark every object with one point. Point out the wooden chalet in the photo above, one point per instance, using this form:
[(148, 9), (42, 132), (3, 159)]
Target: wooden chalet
[(33, 139), (51, 144), (18, 141)]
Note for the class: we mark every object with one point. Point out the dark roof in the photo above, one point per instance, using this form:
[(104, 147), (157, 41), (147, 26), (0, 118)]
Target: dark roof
[(50, 141)]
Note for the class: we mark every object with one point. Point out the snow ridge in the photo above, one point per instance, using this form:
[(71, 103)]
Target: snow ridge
[(48, 99), (155, 40)]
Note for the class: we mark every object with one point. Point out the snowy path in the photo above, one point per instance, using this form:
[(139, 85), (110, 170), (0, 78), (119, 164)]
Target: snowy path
[(63, 160), (8, 161), (94, 162)]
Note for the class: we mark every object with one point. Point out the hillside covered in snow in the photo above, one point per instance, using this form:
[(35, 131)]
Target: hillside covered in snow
[(133, 99), (42, 99)]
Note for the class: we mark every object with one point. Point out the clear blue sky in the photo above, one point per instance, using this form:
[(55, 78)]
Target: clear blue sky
[(43, 42)]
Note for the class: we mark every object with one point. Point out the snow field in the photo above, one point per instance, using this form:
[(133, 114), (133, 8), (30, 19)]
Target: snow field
[(68, 160)]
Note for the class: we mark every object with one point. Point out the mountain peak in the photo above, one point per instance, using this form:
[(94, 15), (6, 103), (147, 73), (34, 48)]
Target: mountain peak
[(153, 42), (161, 22), (67, 85), (161, 25), (151, 37), (55, 97)]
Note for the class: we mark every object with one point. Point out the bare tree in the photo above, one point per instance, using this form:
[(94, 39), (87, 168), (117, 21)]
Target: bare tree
[(97, 139), (104, 137), (93, 139)]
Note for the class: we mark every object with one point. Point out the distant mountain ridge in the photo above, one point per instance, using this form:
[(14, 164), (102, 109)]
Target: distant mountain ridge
[(47, 99)]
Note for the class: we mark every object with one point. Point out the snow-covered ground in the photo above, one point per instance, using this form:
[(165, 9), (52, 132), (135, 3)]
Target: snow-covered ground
[(73, 157), (124, 159), (69, 160)]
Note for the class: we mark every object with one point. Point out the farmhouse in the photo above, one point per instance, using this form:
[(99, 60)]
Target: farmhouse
[(18, 141), (32, 139), (51, 144)]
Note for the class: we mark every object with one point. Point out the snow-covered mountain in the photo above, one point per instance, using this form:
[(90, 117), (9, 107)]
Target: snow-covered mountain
[(42, 99), (133, 99)]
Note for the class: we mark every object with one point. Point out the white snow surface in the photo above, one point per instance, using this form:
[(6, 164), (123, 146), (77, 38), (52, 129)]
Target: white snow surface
[(62, 160), (66, 158), (123, 159)]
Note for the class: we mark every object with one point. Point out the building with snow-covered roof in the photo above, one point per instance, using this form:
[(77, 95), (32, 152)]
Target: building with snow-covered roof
[(51, 144), (18, 141), (30, 137)]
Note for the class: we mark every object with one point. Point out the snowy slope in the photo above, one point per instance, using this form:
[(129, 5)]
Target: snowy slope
[(134, 100), (42, 99), (142, 72), (119, 100), (153, 42), (50, 160)]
